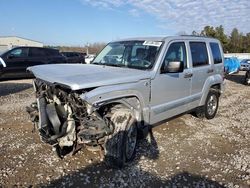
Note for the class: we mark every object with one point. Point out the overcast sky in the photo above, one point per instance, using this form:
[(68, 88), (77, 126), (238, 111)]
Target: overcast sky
[(77, 22)]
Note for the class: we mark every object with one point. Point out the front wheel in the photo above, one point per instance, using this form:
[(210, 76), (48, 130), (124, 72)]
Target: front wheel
[(210, 108), (247, 78), (120, 146)]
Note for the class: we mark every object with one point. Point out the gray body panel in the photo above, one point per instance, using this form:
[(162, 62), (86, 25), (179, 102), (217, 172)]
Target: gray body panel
[(81, 76), (161, 96)]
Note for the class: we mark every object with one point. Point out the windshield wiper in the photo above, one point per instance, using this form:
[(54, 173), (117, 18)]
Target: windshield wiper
[(114, 65), (108, 64), (96, 63)]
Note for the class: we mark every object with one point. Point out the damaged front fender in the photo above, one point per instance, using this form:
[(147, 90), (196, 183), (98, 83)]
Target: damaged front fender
[(65, 121)]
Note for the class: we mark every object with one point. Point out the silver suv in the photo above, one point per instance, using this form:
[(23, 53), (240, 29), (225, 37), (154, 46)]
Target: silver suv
[(130, 85)]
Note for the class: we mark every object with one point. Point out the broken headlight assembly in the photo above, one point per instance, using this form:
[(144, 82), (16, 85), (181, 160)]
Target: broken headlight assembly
[(65, 121)]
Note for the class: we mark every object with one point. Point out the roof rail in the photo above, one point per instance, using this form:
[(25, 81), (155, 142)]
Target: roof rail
[(196, 36)]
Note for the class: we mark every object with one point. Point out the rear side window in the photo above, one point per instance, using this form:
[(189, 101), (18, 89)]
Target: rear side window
[(52, 52), (37, 52), (216, 52), (199, 53)]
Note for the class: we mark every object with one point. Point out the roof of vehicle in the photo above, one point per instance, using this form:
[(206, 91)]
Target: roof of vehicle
[(71, 52), (35, 47), (7, 51), (68, 52), (164, 38), (245, 60)]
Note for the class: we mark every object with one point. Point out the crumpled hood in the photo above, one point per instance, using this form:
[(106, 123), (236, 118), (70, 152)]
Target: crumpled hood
[(80, 76)]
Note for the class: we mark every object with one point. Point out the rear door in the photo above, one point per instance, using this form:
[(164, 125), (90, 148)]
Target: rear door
[(16, 63), (54, 57), (202, 69), (37, 56), (216, 57)]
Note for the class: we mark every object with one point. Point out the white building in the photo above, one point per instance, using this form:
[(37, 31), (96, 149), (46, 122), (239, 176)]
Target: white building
[(240, 56), (8, 42)]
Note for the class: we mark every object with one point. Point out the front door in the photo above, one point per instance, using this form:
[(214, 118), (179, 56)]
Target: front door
[(16, 63), (171, 91)]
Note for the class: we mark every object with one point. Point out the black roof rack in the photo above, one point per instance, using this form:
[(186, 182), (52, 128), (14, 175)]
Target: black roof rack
[(196, 36)]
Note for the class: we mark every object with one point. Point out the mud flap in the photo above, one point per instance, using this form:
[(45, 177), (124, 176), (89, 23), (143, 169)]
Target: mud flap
[(143, 131)]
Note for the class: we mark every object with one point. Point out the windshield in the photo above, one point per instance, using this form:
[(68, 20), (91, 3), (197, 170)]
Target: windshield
[(3, 52), (130, 54)]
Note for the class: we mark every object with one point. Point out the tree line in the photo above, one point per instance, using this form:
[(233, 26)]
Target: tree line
[(93, 48), (236, 42)]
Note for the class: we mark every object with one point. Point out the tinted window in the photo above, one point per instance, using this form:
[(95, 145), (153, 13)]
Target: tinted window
[(68, 54), (37, 52), (199, 53), (216, 53), (65, 54), (51, 52), (245, 61), (176, 52), (19, 52)]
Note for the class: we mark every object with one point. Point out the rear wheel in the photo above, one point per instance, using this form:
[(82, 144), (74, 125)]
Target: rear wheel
[(120, 146), (210, 108), (247, 78)]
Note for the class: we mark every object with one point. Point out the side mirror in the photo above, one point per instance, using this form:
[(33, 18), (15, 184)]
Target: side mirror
[(173, 67), (10, 56)]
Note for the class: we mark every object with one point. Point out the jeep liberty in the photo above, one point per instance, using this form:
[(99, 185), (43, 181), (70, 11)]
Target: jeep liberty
[(130, 85)]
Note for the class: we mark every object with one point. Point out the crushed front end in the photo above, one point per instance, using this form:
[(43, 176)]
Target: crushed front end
[(65, 121)]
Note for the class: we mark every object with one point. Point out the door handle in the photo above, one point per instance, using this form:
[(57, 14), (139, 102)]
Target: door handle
[(210, 70), (188, 75)]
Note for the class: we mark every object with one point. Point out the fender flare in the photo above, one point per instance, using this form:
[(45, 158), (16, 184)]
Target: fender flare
[(210, 82)]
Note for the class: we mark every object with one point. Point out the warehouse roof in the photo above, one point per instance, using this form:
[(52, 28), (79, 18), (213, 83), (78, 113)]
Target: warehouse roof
[(19, 37)]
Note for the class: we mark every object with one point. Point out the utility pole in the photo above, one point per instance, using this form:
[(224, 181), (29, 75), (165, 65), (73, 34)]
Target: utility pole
[(87, 45)]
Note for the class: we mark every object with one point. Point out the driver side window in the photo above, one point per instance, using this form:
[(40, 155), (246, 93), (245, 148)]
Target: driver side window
[(19, 52), (176, 52)]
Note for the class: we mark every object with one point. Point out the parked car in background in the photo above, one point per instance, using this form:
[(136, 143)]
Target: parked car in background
[(245, 65), (13, 63), (89, 58), (74, 57), (247, 77), (131, 85)]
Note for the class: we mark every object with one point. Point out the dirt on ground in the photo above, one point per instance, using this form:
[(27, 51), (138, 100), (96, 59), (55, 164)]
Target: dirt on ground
[(183, 152)]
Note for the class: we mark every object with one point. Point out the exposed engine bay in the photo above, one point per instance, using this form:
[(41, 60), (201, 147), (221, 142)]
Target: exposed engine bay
[(66, 122)]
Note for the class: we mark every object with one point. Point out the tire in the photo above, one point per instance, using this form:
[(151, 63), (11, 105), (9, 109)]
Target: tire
[(210, 108), (120, 146), (247, 78)]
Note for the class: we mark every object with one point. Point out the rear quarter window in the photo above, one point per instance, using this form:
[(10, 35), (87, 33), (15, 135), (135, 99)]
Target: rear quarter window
[(52, 52), (199, 54), (37, 52), (216, 52)]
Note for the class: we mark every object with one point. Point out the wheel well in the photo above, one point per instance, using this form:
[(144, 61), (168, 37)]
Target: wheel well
[(216, 87), (131, 103)]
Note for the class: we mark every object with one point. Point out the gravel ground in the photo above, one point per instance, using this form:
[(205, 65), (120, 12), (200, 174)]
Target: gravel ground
[(184, 152)]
